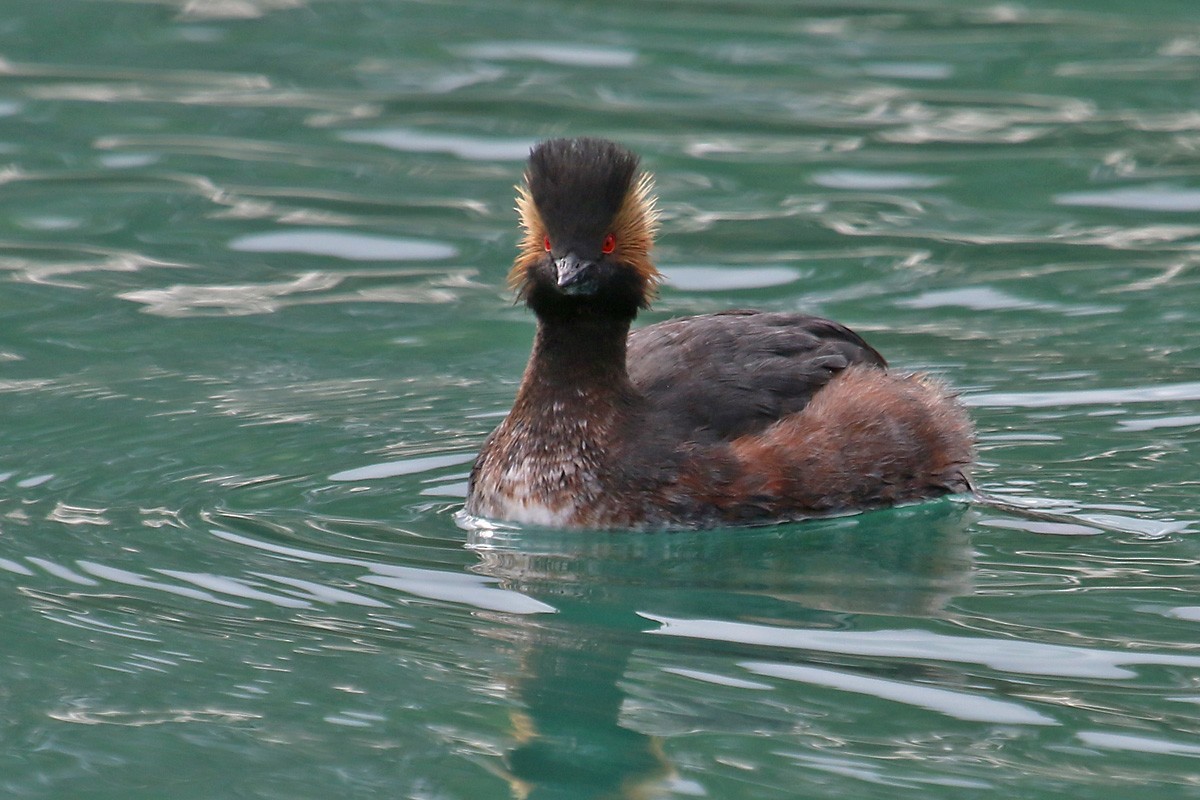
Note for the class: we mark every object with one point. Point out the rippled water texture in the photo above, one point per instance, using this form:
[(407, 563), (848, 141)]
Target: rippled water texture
[(253, 328)]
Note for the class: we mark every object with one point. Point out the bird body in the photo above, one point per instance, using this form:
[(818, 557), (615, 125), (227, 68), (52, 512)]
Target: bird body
[(740, 417)]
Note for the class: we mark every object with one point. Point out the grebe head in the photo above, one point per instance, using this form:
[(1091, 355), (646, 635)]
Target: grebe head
[(589, 220)]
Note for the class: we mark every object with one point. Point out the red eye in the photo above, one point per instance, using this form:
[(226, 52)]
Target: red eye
[(546, 243), (610, 244)]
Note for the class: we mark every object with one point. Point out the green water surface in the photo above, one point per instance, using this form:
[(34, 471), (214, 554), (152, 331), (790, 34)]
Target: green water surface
[(253, 328)]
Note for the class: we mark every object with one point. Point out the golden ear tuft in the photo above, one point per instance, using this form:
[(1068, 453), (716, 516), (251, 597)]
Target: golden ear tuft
[(530, 248), (635, 227)]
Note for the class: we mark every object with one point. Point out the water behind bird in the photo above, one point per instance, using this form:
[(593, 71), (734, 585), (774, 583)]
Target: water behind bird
[(254, 326)]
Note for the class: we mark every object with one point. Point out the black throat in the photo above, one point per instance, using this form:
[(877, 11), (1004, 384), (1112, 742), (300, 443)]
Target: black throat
[(621, 294), (579, 353)]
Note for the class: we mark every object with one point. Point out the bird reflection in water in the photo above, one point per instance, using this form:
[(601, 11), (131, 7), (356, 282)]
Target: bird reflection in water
[(581, 732)]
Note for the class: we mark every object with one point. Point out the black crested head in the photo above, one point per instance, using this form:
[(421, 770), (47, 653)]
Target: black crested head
[(578, 186), (589, 221)]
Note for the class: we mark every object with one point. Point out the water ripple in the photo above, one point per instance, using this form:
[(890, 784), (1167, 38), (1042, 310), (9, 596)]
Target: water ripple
[(404, 466), (1004, 655), (412, 286), (1138, 198), (576, 54), (348, 246), (409, 140), (1086, 397), (956, 704)]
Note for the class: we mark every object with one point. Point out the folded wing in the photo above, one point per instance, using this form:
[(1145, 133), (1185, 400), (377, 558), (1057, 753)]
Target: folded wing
[(726, 375)]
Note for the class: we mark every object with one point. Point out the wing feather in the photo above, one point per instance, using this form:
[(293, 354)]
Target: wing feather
[(721, 376)]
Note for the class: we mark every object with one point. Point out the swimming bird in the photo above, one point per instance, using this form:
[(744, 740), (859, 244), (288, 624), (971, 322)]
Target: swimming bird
[(739, 417)]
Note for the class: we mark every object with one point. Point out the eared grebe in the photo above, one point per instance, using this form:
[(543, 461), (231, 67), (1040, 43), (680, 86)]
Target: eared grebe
[(730, 418)]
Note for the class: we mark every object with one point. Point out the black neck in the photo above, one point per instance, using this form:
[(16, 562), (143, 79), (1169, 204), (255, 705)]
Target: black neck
[(580, 353), (580, 347)]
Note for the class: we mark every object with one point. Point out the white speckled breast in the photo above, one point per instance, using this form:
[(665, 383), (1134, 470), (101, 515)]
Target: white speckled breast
[(539, 471)]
